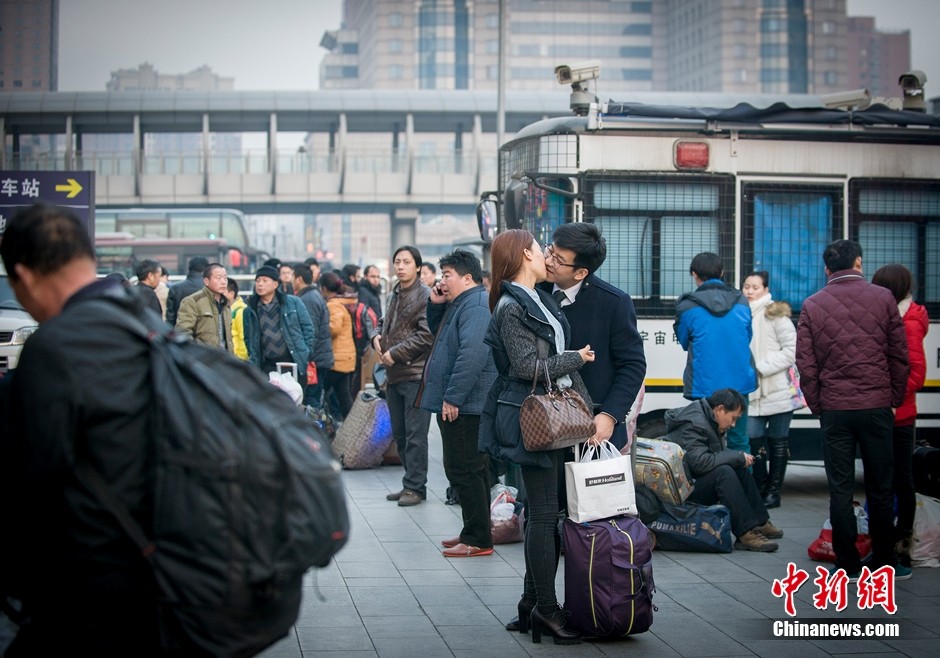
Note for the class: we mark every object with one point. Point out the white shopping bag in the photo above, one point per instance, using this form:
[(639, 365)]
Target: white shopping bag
[(926, 549), (600, 484), (288, 383)]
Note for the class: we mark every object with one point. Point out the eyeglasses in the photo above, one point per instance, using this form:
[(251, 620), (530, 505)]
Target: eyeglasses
[(550, 253)]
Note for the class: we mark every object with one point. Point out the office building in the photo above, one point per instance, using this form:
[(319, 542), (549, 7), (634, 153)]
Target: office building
[(146, 78), (876, 58), (454, 44), (29, 45), (732, 46), (753, 46)]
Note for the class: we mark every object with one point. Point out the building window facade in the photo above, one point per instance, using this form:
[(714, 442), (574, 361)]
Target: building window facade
[(443, 45)]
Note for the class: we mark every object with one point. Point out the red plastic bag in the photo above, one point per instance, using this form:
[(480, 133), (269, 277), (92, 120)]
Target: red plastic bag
[(821, 548), (311, 373)]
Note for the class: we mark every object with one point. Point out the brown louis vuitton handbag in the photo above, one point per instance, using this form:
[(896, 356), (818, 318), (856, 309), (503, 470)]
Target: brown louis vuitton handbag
[(558, 418)]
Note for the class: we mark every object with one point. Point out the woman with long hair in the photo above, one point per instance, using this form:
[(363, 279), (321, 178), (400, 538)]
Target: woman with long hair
[(771, 405), (337, 379), (899, 281), (528, 325)]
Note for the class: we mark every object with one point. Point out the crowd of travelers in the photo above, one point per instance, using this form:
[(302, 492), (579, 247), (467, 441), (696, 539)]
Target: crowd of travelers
[(462, 344)]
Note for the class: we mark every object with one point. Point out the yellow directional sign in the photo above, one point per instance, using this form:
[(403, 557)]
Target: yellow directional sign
[(73, 188)]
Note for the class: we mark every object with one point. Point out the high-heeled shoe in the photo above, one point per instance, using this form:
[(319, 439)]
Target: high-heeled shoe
[(554, 624), (521, 621)]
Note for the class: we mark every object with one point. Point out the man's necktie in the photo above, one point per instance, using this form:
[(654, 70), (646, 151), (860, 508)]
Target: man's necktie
[(559, 296)]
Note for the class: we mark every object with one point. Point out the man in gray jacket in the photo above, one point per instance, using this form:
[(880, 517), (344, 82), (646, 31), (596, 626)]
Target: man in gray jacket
[(403, 339), (457, 377), (721, 475)]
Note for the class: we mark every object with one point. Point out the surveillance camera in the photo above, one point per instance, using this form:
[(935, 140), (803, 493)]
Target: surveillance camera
[(856, 98), (569, 74), (912, 80), (912, 88)]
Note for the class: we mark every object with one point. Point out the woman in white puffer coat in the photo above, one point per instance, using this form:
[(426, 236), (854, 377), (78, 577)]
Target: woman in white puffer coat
[(771, 406)]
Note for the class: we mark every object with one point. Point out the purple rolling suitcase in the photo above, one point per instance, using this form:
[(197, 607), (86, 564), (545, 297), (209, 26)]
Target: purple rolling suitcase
[(608, 577)]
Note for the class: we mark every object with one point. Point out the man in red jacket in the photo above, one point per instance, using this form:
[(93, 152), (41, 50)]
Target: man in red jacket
[(852, 356)]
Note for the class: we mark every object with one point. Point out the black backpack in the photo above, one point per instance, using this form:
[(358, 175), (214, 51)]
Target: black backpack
[(247, 495)]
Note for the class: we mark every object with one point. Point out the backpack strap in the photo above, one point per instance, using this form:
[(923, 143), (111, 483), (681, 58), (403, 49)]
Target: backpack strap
[(92, 479)]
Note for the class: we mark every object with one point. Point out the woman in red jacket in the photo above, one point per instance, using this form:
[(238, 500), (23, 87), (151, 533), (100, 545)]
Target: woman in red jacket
[(898, 280)]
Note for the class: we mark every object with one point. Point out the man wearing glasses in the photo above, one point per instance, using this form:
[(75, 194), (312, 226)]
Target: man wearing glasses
[(601, 316)]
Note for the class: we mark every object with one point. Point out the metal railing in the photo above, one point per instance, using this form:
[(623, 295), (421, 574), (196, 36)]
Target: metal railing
[(257, 161)]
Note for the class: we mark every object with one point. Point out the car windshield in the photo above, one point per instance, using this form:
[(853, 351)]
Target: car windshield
[(7, 298)]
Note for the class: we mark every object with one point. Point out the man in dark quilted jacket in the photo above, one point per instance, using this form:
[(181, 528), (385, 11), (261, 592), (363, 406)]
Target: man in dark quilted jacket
[(852, 356)]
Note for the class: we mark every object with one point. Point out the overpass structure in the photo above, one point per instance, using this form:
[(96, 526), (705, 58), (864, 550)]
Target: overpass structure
[(349, 173), (401, 153)]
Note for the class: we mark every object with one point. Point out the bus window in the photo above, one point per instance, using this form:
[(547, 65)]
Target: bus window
[(929, 293), (629, 238), (785, 230), (145, 228), (682, 238), (898, 221), (233, 230), (545, 210), (656, 225), (888, 242)]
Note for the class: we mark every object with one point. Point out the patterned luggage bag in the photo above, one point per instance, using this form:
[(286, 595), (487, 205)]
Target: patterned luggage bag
[(659, 467), (365, 435), (695, 528), (608, 577)]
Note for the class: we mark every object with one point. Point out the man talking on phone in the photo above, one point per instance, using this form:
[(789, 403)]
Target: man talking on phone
[(457, 377)]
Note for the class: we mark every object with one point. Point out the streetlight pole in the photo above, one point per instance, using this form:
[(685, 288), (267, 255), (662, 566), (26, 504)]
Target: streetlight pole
[(501, 84)]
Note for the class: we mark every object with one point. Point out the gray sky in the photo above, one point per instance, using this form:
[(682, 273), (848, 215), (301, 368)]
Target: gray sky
[(274, 45), (922, 18)]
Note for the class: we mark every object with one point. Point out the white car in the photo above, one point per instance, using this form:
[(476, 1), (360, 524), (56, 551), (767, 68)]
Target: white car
[(16, 325)]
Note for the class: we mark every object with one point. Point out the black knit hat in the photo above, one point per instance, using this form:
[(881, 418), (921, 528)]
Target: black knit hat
[(268, 271)]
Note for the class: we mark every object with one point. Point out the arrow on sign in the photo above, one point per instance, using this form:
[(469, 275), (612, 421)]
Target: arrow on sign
[(73, 188)]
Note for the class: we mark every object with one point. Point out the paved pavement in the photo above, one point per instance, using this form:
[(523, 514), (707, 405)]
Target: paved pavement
[(390, 592)]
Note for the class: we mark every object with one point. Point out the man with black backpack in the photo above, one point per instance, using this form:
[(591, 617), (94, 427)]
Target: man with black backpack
[(108, 407), (81, 391)]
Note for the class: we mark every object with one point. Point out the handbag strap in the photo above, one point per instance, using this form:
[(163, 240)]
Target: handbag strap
[(535, 377), (541, 368)]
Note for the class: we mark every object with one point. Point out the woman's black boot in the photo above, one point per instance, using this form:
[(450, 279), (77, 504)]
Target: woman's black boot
[(521, 622), (759, 468), (779, 456), (553, 623)]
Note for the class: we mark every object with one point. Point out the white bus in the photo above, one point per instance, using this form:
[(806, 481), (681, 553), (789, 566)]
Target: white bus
[(765, 189)]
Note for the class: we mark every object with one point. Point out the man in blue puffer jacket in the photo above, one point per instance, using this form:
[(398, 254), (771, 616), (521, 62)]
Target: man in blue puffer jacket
[(457, 378), (713, 324)]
